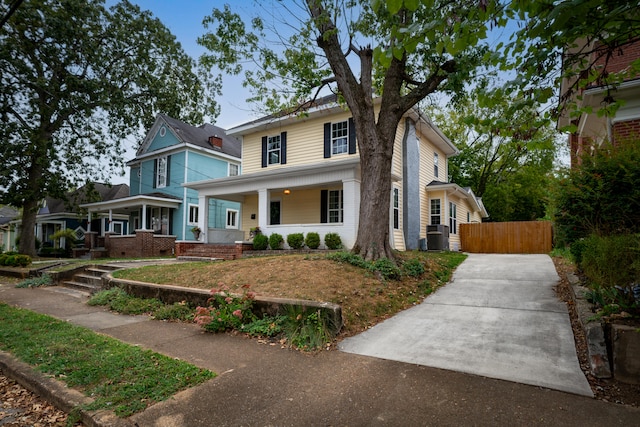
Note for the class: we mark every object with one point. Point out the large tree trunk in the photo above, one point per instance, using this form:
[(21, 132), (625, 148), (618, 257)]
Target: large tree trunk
[(376, 154), (27, 232)]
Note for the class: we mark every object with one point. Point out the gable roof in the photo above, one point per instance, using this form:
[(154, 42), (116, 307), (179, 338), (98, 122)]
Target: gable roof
[(466, 193), (329, 105), (194, 136), (100, 193), (7, 214)]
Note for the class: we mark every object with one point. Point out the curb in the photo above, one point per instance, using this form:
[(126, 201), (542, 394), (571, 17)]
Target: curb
[(57, 393)]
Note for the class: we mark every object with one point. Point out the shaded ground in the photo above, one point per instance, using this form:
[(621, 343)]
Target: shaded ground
[(21, 408), (608, 390)]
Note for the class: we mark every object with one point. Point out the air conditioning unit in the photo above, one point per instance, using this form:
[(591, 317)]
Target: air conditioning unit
[(438, 237)]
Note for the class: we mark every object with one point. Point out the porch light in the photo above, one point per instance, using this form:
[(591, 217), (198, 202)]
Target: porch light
[(287, 191)]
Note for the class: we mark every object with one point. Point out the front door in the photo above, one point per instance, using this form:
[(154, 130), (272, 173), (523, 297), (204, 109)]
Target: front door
[(275, 213)]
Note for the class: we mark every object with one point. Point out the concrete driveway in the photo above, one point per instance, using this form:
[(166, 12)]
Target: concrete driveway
[(498, 317)]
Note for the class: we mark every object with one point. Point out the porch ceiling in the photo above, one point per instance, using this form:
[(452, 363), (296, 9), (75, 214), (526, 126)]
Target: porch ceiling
[(126, 205), (295, 177)]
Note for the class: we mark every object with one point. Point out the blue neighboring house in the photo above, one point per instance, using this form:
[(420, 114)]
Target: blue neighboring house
[(172, 154)]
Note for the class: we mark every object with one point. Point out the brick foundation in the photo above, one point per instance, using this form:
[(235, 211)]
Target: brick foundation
[(206, 250)]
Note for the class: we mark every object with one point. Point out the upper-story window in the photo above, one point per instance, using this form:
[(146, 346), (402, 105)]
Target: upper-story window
[(161, 172), (274, 150), (339, 137), (435, 164), (234, 170)]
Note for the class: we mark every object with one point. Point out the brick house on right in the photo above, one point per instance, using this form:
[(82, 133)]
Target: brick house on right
[(593, 127)]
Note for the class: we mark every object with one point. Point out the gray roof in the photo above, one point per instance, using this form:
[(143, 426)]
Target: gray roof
[(7, 214), (100, 193), (199, 136)]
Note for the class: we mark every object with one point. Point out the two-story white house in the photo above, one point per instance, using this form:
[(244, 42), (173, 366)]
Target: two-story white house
[(301, 174)]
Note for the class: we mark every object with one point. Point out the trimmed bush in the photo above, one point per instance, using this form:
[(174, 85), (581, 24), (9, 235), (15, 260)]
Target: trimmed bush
[(312, 241), (14, 259), (260, 242), (333, 241), (295, 240), (276, 241)]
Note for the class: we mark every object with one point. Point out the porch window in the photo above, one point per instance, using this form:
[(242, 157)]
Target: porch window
[(117, 228), (435, 211), (453, 217), (335, 206), (232, 218), (339, 137), (396, 208), (161, 172), (193, 214)]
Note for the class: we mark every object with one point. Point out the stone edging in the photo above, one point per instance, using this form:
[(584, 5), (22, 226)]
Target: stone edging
[(170, 294), (593, 330)]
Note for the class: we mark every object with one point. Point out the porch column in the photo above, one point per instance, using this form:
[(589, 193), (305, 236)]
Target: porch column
[(203, 217), (351, 210), (110, 221), (143, 223), (263, 208), (89, 222)]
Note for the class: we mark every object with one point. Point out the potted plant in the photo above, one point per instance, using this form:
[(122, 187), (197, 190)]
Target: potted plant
[(196, 232)]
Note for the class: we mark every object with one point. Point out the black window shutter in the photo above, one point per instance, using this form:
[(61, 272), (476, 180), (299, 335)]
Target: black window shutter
[(352, 137), (324, 206), (264, 151), (167, 178), (327, 140), (283, 148), (155, 172)]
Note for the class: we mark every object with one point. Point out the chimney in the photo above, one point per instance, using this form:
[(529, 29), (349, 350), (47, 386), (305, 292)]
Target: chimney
[(216, 142)]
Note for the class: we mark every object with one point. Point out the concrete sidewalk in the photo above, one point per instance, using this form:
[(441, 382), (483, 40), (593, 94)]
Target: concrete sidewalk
[(265, 385), (499, 317)]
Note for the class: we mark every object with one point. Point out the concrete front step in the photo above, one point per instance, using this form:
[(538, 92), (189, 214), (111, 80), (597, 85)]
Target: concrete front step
[(86, 287)]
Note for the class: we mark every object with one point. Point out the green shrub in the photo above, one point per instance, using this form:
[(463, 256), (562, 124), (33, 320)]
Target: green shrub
[(387, 269), (306, 330), (14, 259), (413, 268), (176, 311), (35, 282), (333, 241), (260, 242), (349, 258), (268, 326), (118, 300), (312, 241), (577, 248), (612, 261), (276, 241), (226, 311), (295, 240)]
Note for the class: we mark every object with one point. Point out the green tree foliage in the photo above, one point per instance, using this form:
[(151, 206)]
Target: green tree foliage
[(77, 80), (507, 152), (564, 39), (400, 51), (602, 196)]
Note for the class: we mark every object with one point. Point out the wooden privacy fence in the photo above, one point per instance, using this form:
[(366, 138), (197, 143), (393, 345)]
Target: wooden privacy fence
[(526, 237)]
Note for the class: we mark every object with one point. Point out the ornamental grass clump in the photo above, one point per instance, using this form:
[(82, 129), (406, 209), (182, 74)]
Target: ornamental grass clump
[(226, 311)]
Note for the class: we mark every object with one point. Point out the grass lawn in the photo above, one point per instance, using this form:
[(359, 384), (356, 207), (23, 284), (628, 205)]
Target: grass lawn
[(366, 298), (118, 376)]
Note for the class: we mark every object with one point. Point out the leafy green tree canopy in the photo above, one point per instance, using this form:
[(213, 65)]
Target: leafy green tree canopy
[(77, 80), (400, 51), (507, 152)]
